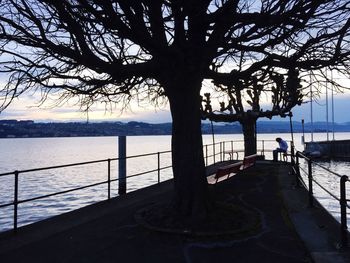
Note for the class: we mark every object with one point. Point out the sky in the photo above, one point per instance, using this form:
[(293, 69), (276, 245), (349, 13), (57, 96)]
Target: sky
[(341, 110), (25, 109)]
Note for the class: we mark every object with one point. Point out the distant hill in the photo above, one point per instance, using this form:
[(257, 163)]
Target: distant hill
[(29, 128), (284, 126)]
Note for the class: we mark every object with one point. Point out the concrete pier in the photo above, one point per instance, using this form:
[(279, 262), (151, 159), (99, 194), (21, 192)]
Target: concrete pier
[(107, 232), (330, 149)]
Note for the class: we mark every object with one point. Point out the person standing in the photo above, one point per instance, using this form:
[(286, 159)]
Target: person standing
[(283, 147)]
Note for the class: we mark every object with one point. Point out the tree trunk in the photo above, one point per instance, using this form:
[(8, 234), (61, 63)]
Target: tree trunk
[(191, 190), (249, 133)]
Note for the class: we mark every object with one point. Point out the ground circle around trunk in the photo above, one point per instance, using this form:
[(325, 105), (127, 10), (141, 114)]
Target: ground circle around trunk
[(224, 219)]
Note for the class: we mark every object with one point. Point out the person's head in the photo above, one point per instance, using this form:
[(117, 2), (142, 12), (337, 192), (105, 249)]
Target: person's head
[(278, 139)]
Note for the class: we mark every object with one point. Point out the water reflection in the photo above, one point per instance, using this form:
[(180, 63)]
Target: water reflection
[(329, 181)]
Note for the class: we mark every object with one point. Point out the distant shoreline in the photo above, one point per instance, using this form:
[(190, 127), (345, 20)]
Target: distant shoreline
[(31, 129)]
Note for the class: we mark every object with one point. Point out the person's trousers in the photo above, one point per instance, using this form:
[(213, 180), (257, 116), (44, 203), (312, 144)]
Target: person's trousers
[(275, 153)]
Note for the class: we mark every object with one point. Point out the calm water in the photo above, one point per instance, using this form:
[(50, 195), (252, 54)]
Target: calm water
[(28, 153)]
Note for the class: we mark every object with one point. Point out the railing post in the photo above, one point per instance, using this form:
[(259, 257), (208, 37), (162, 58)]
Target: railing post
[(311, 195), (214, 152), (122, 165), (223, 151), (292, 154), (220, 154), (158, 169), (15, 203), (343, 219), (297, 169), (206, 155), (263, 148), (109, 178)]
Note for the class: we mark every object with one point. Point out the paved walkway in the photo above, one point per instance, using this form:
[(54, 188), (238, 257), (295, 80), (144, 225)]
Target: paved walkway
[(107, 232)]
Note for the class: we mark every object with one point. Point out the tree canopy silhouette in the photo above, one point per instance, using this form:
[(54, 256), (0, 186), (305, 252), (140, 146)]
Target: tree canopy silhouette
[(115, 50), (245, 100)]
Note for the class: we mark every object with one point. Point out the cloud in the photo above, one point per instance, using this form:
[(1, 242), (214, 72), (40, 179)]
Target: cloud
[(24, 109), (150, 116)]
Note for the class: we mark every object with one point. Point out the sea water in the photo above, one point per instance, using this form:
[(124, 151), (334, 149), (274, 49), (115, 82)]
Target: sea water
[(29, 153)]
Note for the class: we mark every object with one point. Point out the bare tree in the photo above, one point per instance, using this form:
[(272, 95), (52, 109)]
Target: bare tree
[(265, 94), (111, 51)]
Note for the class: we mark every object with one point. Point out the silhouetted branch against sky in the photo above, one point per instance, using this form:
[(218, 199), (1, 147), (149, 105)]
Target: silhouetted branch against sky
[(112, 51)]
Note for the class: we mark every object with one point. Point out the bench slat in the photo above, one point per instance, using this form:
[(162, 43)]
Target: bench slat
[(234, 168), (249, 161)]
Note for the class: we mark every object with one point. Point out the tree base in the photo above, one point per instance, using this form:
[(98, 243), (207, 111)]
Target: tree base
[(222, 219)]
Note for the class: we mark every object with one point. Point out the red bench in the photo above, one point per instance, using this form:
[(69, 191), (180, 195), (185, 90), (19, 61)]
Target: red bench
[(249, 161), (234, 168), (227, 170)]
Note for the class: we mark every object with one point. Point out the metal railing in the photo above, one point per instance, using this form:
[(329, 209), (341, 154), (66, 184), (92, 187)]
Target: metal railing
[(212, 153), (17, 173), (209, 151), (234, 149), (343, 179), (217, 151), (228, 146)]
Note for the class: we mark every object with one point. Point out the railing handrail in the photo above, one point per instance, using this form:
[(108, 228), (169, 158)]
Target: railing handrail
[(342, 199), (80, 188), (81, 163), (16, 201), (319, 165), (128, 157), (326, 169)]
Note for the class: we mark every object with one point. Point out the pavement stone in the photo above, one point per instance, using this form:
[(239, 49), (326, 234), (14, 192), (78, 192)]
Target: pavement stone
[(108, 232)]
